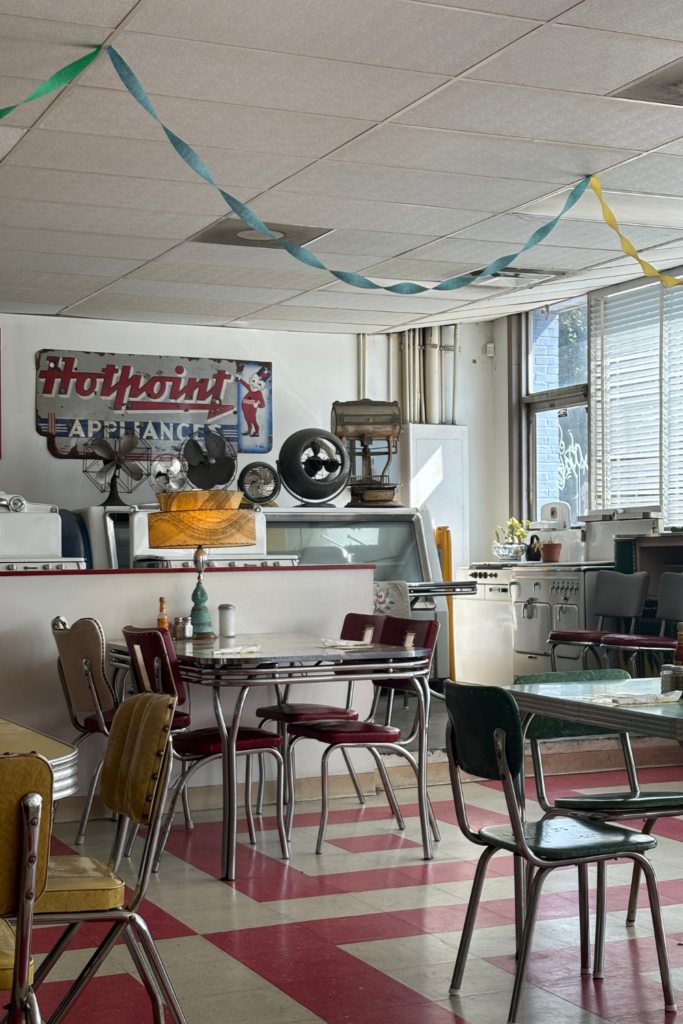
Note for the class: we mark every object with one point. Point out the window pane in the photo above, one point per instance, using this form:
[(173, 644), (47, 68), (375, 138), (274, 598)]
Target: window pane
[(558, 346), (561, 438)]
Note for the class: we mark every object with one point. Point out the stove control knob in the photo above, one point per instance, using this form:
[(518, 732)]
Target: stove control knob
[(59, 565), (47, 566), (231, 565), (11, 567), (211, 564), (187, 565)]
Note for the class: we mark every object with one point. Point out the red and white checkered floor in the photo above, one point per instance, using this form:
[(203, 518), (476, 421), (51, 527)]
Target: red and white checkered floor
[(367, 933)]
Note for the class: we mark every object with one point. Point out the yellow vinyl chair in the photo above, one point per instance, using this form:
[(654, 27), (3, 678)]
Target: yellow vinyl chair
[(25, 791), (80, 890)]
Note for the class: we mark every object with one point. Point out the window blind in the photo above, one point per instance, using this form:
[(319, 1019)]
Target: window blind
[(626, 396)]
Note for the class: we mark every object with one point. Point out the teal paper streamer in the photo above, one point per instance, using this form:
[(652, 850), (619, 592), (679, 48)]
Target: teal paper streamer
[(193, 160)]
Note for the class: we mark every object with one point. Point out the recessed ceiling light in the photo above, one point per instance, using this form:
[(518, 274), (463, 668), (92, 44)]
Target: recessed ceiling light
[(258, 236)]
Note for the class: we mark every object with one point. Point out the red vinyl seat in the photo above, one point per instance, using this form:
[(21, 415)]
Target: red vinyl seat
[(578, 636), (291, 713), (347, 732), (640, 640), (205, 742)]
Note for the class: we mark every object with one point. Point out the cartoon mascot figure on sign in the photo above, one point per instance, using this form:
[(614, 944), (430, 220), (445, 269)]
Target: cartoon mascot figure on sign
[(253, 399)]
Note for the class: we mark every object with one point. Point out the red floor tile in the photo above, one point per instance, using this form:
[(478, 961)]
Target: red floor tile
[(113, 999)]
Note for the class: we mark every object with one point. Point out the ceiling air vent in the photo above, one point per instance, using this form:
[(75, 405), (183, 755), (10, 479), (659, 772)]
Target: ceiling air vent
[(662, 86), (236, 232)]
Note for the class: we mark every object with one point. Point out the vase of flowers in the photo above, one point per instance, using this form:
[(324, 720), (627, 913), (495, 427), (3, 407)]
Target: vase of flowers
[(510, 540)]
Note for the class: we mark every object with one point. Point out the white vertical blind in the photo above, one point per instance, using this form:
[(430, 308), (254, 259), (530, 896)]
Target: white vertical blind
[(672, 406), (626, 397)]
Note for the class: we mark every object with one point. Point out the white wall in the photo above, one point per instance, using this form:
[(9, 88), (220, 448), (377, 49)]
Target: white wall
[(310, 371)]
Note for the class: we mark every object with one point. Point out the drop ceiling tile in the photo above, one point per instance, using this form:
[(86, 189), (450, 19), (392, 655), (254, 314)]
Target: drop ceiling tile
[(253, 256), (229, 74), (105, 154), (50, 31), (147, 316), (25, 277), (349, 316), (380, 301), (182, 289), (305, 326), (59, 263), (542, 257), (543, 10), (106, 190), (203, 123), (170, 304), (578, 60), (515, 110), (416, 37), (365, 245), (107, 220), (333, 212), (663, 18), (654, 173), (419, 270), (517, 229), (628, 207), (24, 58), (9, 138), (395, 145), (31, 308), (52, 297), (238, 277), (88, 12), (81, 244)]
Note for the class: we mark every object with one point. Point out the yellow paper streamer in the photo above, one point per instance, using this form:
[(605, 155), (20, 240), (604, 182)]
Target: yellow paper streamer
[(627, 246)]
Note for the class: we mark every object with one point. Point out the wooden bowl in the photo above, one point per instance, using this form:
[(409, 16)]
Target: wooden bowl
[(177, 501)]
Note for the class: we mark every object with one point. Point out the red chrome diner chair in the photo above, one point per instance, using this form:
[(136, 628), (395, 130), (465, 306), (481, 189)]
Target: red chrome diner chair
[(618, 595), (90, 698), (356, 627), (418, 633), (669, 609), (155, 667)]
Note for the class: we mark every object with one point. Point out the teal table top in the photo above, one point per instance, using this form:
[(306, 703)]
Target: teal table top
[(576, 702)]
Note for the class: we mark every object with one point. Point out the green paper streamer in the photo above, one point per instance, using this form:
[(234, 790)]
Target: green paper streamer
[(56, 81)]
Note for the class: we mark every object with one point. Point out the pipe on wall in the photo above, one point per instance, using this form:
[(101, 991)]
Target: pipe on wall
[(432, 374), (362, 357)]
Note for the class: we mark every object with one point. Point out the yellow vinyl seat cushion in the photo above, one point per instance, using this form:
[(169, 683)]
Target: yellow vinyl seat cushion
[(7, 943), (80, 883)]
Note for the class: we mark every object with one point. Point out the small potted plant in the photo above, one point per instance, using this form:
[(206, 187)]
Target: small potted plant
[(550, 551), (510, 540)]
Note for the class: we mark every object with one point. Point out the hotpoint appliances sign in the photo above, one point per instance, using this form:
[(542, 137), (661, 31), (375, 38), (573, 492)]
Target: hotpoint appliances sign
[(164, 399)]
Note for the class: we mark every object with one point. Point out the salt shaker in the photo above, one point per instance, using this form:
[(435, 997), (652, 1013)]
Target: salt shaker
[(226, 619)]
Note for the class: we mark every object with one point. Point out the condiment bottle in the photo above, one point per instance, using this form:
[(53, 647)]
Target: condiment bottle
[(678, 653), (162, 617)]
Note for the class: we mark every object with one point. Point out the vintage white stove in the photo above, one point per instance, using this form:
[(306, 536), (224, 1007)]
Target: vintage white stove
[(31, 537)]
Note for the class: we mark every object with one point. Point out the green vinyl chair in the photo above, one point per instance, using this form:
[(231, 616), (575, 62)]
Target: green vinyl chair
[(485, 739)]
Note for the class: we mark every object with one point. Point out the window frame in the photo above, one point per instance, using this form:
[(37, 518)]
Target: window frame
[(543, 401)]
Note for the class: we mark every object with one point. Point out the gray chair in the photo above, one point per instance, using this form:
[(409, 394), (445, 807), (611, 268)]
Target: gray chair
[(485, 739), (618, 595), (669, 609)]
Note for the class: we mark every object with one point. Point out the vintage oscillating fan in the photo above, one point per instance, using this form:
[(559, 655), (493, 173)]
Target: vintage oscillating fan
[(314, 465), (212, 466), (117, 469), (167, 474)]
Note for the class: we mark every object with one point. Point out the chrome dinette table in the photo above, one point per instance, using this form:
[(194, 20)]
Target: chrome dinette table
[(285, 659), (63, 757)]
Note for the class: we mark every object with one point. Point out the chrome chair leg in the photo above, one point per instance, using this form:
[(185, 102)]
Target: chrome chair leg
[(635, 880), (553, 665), (291, 784), (261, 784), (520, 900), (470, 920), (584, 919), (354, 777), (324, 785), (32, 1011), (146, 977), (660, 937), (247, 800), (158, 969), (527, 940), (189, 824), (600, 923), (80, 838), (280, 801), (388, 788), (90, 969), (128, 852)]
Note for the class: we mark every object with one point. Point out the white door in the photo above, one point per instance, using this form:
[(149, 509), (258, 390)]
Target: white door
[(566, 616), (532, 624)]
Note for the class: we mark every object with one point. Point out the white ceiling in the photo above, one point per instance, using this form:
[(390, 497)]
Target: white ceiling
[(428, 138)]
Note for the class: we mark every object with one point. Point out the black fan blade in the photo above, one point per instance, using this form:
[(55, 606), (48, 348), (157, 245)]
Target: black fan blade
[(193, 453), (223, 470), (315, 447), (313, 465), (215, 445), (331, 465), (201, 476)]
